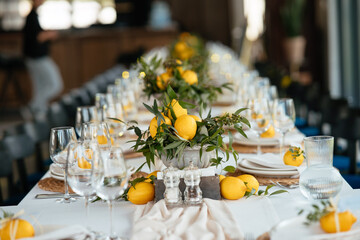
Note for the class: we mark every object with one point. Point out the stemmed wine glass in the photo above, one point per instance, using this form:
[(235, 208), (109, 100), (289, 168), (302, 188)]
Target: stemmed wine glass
[(85, 114), (97, 131), (259, 117), (83, 154), (283, 117), (60, 139), (110, 178)]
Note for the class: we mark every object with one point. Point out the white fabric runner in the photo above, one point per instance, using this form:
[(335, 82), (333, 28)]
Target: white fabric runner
[(211, 220)]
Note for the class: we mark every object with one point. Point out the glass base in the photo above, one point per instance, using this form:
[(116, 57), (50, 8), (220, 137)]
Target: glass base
[(66, 200)]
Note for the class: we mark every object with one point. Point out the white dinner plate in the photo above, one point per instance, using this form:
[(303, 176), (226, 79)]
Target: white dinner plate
[(253, 141), (56, 170), (269, 164), (273, 173), (295, 229), (251, 165), (56, 176)]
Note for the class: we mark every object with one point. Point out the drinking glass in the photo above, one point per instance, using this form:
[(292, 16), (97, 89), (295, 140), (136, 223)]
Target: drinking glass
[(98, 132), (83, 154), (60, 139), (283, 117), (320, 180), (85, 114), (259, 117), (110, 178)]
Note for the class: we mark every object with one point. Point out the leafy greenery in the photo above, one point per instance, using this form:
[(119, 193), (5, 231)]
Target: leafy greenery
[(292, 17), (201, 93), (263, 192), (209, 133), (318, 211)]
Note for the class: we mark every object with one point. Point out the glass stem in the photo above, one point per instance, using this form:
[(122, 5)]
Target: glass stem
[(282, 142), (111, 217), (87, 211), (258, 145), (66, 194)]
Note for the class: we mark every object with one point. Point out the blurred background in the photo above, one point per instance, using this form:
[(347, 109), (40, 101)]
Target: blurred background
[(309, 49)]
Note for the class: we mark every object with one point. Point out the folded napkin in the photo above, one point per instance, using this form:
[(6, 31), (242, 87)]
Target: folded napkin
[(211, 220), (74, 232), (274, 160)]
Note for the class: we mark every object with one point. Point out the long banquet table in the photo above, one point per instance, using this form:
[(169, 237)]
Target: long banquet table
[(255, 215)]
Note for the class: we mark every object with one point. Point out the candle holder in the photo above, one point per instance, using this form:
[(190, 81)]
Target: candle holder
[(192, 193), (172, 192)]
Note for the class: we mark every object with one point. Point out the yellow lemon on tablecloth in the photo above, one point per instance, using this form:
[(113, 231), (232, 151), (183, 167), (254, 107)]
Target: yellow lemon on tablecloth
[(154, 173), (250, 181), (178, 110), (221, 177), (270, 133), (154, 126), (186, 127), (16, 227), (142, 193), (196, 118), (190, 77), (294, 156), (346, 220), (163, 80), (232, 188)]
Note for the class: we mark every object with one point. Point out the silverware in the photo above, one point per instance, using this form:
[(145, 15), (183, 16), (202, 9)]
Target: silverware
[(53, 195), (283, 186)]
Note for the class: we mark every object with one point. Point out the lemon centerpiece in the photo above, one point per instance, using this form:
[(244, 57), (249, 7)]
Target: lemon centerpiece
[(177, 138)]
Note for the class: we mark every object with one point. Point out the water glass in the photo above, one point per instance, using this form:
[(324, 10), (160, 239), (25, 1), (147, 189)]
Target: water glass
[(60, 141), (320, 180), (85, 114)]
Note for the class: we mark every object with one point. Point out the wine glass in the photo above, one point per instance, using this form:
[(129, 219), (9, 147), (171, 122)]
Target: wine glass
[(98, 132), (83, 154), (85, 114), (60, 139), (110, 178), (283, 117), (259, 117)]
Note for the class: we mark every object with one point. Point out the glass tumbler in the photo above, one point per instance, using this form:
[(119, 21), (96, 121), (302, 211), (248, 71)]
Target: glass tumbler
[(320, 180)]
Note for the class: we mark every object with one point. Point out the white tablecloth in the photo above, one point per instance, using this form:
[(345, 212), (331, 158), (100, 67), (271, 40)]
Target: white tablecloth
[(255, 214)]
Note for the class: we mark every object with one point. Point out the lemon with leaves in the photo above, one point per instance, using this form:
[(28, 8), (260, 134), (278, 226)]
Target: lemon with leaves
[(186, 127), (16, 228), (346, 220), (163, 80), (154, 125), (250, 181), (154, 173), (232, 188), (178, 110), (294, 156), (141, 193), (190, 77), (196, 118)]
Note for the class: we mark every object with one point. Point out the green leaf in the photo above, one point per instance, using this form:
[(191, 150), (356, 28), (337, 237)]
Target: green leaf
[(239, 111), (171, 92), (268, 188), (139, 168), (278, 192), (260, 192), (249, 194), (231, 139), (136, 181), (230, 169), (149, 108), (186, 105), (173, 145)]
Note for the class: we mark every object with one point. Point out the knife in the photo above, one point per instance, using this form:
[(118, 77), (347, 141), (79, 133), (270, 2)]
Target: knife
[(53, 195)]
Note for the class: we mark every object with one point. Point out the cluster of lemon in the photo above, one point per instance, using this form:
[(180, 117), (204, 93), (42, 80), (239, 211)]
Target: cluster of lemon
[(189, 76), (15, 228), (294, 156), (345, 221), (185, 124), (234, 188), (142, 192), (184, 48)]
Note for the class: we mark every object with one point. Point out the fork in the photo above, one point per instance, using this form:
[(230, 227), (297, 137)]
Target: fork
[(283, 186)]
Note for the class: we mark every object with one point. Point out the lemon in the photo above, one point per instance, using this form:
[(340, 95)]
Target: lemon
[(232, 188), (22, 227), (163, 80), (180, 47), (256, 115), (154, 126), (154, 173), (346, 220), (196, 118), (250, 181), (294, 156), (102, 139), (190, 77), (178, 110), (270, 133), (142, 193), (186, 127), (186, 54), (82, 163), (221, 177)]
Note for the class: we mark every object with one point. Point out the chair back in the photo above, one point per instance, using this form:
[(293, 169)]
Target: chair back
[(6, 164), (57, 115)]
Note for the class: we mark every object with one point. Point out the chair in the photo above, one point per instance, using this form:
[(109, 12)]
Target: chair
[(81, 96), (7, 172), (18, 148), (57, 116)]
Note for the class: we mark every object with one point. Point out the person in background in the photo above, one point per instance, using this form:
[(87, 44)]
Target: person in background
[(46, 79)]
